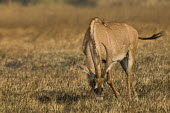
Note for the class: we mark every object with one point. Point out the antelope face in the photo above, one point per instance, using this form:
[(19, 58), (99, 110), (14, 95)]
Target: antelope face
[(98, 88), (97, 85), (97, 75)]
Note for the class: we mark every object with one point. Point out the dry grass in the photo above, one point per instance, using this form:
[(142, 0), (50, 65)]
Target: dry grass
[(41, 45)]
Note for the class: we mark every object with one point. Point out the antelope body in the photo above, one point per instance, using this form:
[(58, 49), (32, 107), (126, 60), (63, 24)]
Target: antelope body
[(109, 42)]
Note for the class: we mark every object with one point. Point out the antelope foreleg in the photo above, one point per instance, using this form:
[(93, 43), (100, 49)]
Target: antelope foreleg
[(110, 83)]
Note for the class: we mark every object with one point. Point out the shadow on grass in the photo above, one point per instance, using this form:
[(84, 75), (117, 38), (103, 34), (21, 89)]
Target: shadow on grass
[(70, 97), (156, 86), (59, 97), (13, 64)]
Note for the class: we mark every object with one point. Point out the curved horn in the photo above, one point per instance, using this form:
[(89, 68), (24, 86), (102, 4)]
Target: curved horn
[(107, 61), (95, 58), (107, 66), (93, 49)]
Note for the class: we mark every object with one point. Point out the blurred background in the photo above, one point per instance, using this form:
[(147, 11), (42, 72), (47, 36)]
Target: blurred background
[(90, 2), (57, 20)]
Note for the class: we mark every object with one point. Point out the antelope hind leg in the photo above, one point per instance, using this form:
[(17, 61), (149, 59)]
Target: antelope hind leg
[(127, 64)]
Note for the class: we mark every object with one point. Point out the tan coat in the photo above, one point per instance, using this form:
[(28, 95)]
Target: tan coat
[(110, 42)]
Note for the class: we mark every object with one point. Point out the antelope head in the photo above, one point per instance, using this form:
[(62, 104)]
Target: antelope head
[(99, 77)]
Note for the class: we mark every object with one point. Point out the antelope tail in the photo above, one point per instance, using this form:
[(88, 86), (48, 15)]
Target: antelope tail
[(154, 36)]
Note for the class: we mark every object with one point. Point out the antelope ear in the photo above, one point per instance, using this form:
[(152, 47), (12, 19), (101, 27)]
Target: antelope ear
[(84, 68)]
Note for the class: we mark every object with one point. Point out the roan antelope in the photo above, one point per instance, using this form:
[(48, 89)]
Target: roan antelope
[(109, 42)]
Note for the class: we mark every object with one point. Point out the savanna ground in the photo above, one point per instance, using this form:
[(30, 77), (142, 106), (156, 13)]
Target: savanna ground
[(41, 45)]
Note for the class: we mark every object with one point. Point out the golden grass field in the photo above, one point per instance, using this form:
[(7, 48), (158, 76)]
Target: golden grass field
[(41, 45)]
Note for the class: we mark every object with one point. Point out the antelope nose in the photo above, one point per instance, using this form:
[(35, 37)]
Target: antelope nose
[(99, 98)]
